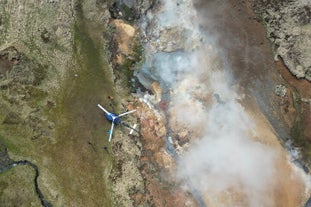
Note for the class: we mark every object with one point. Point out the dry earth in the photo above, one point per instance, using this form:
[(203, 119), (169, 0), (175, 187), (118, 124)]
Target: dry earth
[(132, 170), (256, 76)]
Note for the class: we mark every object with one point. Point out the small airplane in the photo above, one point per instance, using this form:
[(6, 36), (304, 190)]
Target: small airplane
[(113, 118)]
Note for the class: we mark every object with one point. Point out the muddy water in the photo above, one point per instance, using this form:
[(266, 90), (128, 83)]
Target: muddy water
[(238, 160)]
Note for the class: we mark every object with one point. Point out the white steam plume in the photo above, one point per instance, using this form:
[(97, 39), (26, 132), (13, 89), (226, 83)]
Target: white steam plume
[(225, 163)]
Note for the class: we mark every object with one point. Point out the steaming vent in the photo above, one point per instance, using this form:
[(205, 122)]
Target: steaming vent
[(231, 160)]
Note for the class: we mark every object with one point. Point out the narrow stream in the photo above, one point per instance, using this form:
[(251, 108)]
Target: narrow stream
[(6, 163), (44, 202)]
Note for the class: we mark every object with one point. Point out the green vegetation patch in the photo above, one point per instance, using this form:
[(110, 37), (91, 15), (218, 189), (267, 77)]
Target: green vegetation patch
[(17, 187), (78, 158)]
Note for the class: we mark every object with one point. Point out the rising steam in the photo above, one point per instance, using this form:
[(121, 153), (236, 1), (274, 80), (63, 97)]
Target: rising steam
[(225, 163)]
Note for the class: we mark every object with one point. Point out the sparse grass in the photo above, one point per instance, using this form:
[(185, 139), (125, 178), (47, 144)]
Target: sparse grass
[(17, 187), (74, 154), (35, 95), (81, 128), (17, 138), (297, 131), (308, 150), (5, 18), (128, 13)]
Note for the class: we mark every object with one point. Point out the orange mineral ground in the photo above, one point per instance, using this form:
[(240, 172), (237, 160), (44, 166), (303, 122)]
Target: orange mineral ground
[(220, 109)]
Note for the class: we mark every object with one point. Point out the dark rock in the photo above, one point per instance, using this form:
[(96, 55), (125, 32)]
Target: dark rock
[(122, 11), (308, 203), (128, 9), (46, 36), (28, 72), (301, 165), (8, 57), (5, 160), (12, 118)]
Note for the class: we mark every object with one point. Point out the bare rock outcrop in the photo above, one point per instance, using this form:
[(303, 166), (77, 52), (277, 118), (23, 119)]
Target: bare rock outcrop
[(130, 10), (124, 38), (289, 29)]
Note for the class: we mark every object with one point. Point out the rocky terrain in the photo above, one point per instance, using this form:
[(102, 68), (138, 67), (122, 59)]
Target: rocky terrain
[(288, 29), (288, 26), (59, 59), (49, 50), (54, 71), (255, 76)]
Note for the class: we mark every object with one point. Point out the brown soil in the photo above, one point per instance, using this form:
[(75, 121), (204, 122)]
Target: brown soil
[(124, 38), (250, 56), (302, 85), (5, 65), (303, 88), (255, 73), (157, 167), (287, 190), (243, 39)]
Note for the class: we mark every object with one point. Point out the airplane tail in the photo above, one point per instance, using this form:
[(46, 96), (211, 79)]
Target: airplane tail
[(128, 126)]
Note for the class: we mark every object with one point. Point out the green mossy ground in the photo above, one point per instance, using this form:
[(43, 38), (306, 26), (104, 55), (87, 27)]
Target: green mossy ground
[(62, 131), (17, 188)]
